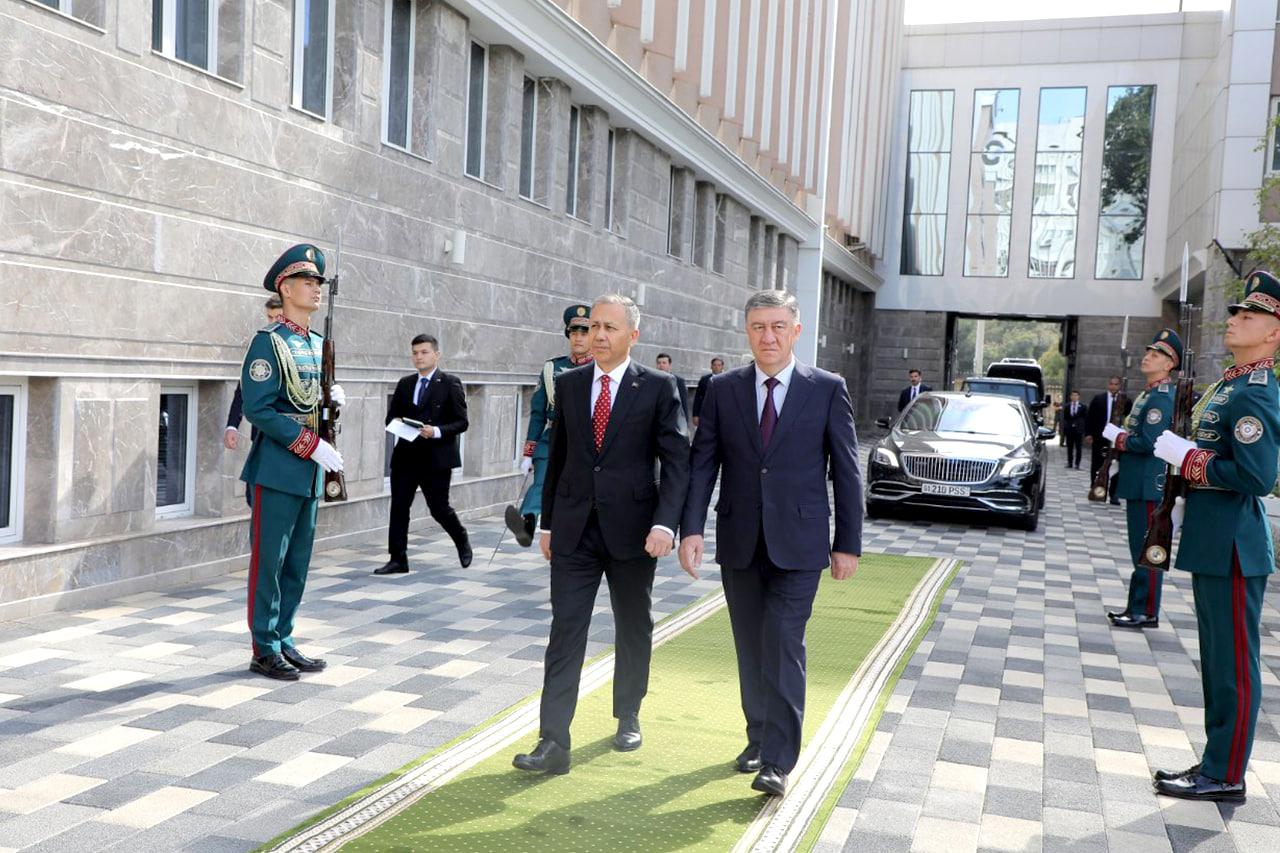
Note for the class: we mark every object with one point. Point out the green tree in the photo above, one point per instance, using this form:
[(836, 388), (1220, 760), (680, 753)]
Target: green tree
[(1126, 158)]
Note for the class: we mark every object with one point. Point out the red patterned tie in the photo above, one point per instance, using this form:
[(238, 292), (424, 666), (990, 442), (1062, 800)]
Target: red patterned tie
[(600, 417)]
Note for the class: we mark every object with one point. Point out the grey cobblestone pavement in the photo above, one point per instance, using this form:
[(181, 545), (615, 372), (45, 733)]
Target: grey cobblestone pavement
[(1022, 722)]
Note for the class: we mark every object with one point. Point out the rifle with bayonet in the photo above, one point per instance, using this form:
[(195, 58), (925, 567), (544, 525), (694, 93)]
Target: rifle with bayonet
[(335, 484), (1098, 490)]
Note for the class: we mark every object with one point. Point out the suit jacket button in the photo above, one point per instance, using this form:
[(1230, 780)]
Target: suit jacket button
[(597, 469), (764, 470)]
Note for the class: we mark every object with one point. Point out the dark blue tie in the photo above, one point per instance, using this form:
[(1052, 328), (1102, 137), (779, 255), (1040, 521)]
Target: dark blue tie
[(422, 390)]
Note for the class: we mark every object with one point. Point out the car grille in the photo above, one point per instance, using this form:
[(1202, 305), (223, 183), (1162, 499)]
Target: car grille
[(943, 469)]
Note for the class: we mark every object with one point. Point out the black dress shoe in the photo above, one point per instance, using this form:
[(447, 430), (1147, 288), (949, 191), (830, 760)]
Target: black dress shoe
[(1200, 787), (464, 552), (521, 526), (770, 780), (1130, 620), (1166, 775), (273, 666), (393, 567), (748, 761), (628, 737), (547, 757), (301, 661)]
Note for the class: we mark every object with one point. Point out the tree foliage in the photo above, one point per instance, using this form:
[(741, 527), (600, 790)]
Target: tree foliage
[(1126, 159)]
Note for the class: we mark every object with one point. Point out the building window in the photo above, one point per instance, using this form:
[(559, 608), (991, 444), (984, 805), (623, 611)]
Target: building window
[(12, 452), (476, 84), (528, 136), (398, 47), (186, 30), (673, 239), (924, 220), (1273, 139), (313, 22), (1126, 171), (571, 175), (718, 239), (176, 459), (991, 167), (1055, 197), (608, 180)]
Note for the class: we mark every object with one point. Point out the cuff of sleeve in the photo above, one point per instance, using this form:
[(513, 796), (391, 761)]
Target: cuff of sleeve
[(231, 429), (1121, 440), (529, 447), (1195, 467), (666, 530), (305, 444)]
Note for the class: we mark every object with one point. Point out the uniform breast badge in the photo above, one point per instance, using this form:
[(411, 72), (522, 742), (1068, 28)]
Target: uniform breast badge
[(260, 370), (1248, 429), (1154, 416)]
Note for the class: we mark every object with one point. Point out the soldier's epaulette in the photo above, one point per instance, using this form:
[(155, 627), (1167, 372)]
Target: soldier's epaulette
[(1164, 387), (1261, 376), (271, 327)]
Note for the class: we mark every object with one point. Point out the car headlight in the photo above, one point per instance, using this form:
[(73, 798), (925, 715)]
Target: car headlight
[(1016, 468), (885, 456)]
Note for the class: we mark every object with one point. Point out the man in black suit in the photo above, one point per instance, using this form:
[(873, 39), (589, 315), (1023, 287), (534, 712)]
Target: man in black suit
[(1108, 407), (1074, 424), (663, 363), (915, 389), (773, 431), (437, 401), (717, 367), (603, 513)]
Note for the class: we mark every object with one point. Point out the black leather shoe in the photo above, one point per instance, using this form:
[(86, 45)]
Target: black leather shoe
[(301, 661), (748, 761), (547, 757), (1166, 775), (770, 780), (521, 526), (273, 666), (1115, 502), (1200, 787), (1130, 620), (628, 737), (1116, 614), (464, 552), (393, 567)]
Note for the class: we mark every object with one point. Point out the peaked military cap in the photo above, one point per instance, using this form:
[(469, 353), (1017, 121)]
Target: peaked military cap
[(1261, 293), (302, 259), (1167, 341), (581, 313)]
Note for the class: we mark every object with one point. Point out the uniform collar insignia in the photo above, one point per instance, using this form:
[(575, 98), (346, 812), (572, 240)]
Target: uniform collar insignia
[(293, 327), (1241, 369)]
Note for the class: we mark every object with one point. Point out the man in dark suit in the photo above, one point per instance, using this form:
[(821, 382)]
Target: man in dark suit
[(1109, 407), (915, 389), (1074, 425), (603, 514), (436, 400), (773, 431), (663, 363), (717, 367)]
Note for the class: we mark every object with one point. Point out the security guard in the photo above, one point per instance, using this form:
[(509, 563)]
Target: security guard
[(280, 382), (1142, 475), (1226, 541), (537, 447)]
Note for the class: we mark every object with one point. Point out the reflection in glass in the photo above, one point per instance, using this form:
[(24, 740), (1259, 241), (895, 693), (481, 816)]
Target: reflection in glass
[(171, 461), (1055, 196), (986, 246), (315, 56), (399, 73), (924, 221), (1126, 169), (991, 171), (6, 458)]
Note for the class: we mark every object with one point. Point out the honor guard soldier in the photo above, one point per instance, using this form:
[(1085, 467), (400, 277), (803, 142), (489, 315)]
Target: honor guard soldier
[(542, 411), (1226, 541), (1142, 475), (280, 382)]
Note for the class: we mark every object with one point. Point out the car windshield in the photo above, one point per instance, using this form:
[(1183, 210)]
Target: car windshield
[(976, 415), (1004, 389)]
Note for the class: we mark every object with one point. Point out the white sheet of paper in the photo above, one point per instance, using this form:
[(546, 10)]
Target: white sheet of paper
[(401, 430)]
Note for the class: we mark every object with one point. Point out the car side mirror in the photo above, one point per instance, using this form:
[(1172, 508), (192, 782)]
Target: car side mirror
[(1044, 433), (884, 423)]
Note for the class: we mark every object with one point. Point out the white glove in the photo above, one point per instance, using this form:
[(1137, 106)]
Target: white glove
[(1179, 510), (327, 456), (1173, 448), (526, 465), (1110, 431), (338, 396)]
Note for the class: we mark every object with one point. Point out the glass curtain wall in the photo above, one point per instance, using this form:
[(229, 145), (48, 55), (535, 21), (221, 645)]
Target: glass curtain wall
[(924, 221), (1126, 172), (991, 166), (1055, 198)]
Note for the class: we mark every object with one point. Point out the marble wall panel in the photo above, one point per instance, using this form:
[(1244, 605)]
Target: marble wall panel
[(134, 439), (40, 495), (233, 31), (504, 103), (347, 29), (132, 27), (38, 221), (273, 26), (497, 428), (91, 466), (268, 79)]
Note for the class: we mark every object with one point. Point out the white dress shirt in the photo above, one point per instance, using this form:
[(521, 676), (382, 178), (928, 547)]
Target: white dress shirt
[(779, 392), (419, 389)]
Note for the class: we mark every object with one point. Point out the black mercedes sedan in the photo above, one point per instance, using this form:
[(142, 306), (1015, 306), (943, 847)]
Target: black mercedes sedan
[(960, 451)]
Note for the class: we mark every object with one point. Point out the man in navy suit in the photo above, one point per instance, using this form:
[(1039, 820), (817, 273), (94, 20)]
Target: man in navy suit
[(605, 513), (773, 430)]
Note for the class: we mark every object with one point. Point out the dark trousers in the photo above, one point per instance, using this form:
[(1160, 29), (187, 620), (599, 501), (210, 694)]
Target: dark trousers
[(1075, 448), (434, 484), (575, 579), (768, 610), (1145, 585)]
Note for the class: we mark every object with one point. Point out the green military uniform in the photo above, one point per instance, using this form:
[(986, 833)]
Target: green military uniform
[(542, 412), (1142, 475), (280, 381), (1226, 542)]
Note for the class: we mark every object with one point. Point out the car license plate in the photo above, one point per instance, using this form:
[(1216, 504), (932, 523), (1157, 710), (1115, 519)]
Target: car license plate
[(944, 489)]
